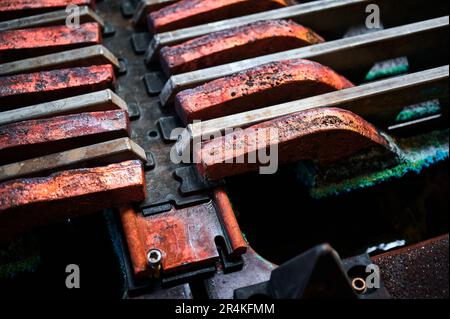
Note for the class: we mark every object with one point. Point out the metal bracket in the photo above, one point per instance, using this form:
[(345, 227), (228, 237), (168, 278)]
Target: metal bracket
[(108, 29), (154, 82), (167, 125), (192, 182), (133, 111), (123, 66), (140, 42), (128, 7)]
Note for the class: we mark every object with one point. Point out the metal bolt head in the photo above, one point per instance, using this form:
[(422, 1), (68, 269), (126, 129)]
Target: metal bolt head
[(359, 285), (154, 258)]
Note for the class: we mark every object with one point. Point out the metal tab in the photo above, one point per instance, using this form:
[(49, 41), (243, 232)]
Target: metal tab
[(105, 100), (93, 55), (109, 152)]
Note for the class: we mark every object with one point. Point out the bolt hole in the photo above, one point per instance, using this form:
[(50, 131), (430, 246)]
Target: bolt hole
[(153, 134), (154, 257)]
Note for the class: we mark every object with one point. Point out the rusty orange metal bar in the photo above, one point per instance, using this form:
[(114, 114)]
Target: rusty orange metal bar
[(27, 203), (229, 222), (323, 135), (185, 237), (32, 88), (15, 8), (19, 44), (249, 41), (186, 13), (262, 86), (35, 138)]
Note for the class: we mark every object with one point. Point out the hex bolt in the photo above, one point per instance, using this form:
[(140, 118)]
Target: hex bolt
[(359, 285), (154, 258)]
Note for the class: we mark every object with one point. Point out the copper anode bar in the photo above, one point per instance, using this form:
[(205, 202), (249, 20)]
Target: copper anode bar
[(26, 203), (186, 13), (10, 9), (252, 40), (27, 89), (34, 138), (262, 86), (323, 135), (20, 44)]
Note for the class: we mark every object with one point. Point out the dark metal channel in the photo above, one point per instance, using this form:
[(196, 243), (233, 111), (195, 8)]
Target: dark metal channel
[(162, 186)]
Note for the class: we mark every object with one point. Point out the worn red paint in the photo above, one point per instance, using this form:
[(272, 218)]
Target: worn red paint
[(262, 86), (186, 13), (322, 135), (34, 138), (259, 38), (27, 203), (28, 89), (185, 237), (20, 44)]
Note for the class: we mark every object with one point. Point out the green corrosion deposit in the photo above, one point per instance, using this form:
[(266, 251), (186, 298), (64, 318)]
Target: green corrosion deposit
[(384, 70), (415, 155), (418, 111)]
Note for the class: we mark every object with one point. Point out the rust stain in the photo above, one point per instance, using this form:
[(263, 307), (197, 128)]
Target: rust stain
[(323, 135), (27, 203), (262, 86), (35, 138), (32, 88), (47, 39), (252, 40), (187, 13)]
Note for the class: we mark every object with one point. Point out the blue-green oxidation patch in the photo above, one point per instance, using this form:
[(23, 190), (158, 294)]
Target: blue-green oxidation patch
[(418, 153), (377, 74), (417, 111)]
